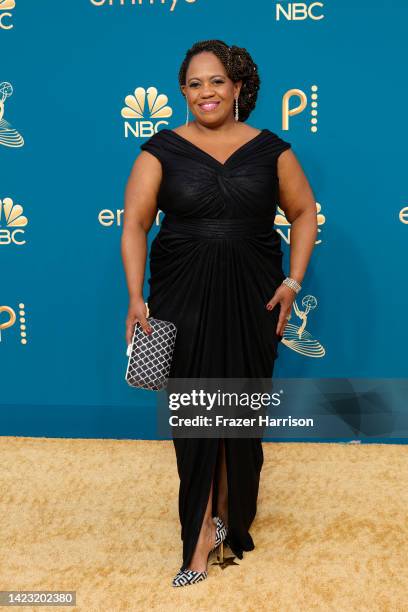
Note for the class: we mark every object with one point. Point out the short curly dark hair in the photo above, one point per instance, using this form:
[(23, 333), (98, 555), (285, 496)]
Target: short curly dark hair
[(238, 64)]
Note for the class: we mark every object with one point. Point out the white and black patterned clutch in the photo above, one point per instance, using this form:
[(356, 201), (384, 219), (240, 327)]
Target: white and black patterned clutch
[(150, 355)]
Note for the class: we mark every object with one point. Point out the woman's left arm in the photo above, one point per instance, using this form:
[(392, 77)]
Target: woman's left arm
[(298, 202)]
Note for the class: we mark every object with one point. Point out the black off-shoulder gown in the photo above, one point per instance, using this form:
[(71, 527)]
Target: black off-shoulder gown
[(214, 264)]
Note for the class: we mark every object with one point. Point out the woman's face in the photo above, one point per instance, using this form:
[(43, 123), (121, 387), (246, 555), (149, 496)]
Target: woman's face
[(209, 91)]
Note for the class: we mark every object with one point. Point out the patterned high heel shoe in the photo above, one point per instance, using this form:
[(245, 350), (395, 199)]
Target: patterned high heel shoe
[(185, 577)]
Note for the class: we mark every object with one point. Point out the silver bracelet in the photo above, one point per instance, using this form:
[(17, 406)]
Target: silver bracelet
[(292, 283)]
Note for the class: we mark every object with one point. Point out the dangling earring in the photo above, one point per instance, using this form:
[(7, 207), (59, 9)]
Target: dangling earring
[(236, 109), (187, 112)]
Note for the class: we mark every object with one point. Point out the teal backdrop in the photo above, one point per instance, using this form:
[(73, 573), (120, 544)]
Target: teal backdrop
[(71, 65)]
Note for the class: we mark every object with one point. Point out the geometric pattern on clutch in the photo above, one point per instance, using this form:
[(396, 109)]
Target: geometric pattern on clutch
[(150, 355)]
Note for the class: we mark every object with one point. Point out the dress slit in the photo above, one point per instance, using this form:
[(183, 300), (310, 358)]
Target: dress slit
[(243, 461), (193, 492)]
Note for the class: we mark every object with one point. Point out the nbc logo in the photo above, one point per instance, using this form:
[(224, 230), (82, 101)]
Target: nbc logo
[(5, 16), (282, 222), (12, 222), (9, 137), (144, 112), (299, 11)]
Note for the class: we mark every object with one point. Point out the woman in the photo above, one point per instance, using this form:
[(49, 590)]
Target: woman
[(216, 272)]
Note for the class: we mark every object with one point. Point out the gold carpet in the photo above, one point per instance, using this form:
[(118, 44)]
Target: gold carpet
[(100, 517)]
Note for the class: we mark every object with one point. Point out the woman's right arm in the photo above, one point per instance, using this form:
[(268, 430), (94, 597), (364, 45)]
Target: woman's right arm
[(139, 214)]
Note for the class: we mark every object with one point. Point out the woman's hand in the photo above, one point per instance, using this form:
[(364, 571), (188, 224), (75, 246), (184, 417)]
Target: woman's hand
[(285, 296), (137, 313)]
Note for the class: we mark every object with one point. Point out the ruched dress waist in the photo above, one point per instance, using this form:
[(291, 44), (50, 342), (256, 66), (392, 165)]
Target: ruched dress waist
[(217, 228)]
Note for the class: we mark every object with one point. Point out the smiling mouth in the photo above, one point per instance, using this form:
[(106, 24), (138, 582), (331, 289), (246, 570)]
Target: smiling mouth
[(208, 106)]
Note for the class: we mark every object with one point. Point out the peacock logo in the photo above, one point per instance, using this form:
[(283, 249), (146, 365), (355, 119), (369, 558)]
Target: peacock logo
[(12, 222), (282, 222), (5, 15), (296, 337), (145, 111), (9, 137)]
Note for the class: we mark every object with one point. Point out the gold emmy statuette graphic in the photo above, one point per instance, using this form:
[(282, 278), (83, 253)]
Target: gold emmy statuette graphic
[(10, 321), (9, 137), (157, 108), (297, 337)]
